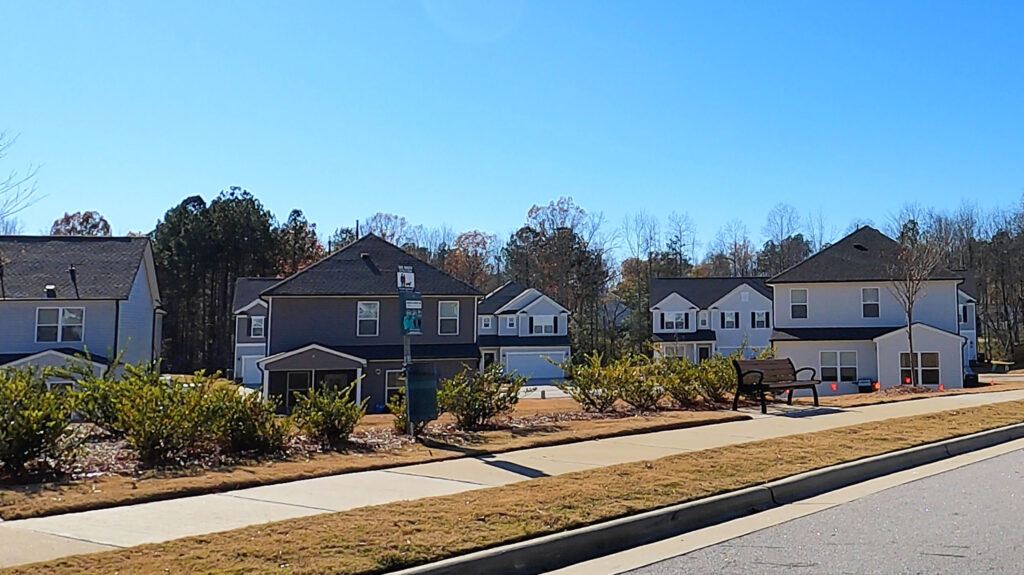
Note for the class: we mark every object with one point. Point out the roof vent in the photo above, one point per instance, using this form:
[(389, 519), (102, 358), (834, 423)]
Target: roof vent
[(51, 291), (364, 255), (860, 247)]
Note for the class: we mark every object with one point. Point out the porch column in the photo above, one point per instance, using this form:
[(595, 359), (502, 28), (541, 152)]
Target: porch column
[(359, 385)]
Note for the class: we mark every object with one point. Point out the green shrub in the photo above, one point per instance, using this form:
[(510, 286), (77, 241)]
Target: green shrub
[(247, 423), (475, 398), (588, 383), (637, 381), (716, 378), (329, 415), (33, 421), (679, 378)]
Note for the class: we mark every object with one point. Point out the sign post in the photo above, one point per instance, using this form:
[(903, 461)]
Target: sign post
[(411, 310)]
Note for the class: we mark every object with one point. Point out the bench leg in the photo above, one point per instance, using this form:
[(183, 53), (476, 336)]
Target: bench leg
[(764, 405), (789, 399), (736, 400), (814, 390)]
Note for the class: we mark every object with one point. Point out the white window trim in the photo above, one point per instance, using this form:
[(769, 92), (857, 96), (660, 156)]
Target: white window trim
[(735, 317), (702, 318), (760, 315), (388, 388), (920, 368), (376, 323), (864, 302), (457, 318), (536, 324), (510, 322), (676, 325), (806, 304), (289, 397), (59, 325), (839, 365), (263, 327), (485, 322)]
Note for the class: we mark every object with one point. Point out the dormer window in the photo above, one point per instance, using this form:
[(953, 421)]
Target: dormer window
[(485, 322), (510, 322), (256, 325), (675, 320), (869, 302)]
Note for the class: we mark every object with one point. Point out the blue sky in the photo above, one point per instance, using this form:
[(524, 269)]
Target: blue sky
[(466, 114)]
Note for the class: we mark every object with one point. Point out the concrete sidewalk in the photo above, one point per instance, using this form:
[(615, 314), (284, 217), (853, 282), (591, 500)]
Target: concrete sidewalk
[(30, 540)]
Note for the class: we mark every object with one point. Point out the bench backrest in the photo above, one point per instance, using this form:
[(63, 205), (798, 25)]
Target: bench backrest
[(774, 370)]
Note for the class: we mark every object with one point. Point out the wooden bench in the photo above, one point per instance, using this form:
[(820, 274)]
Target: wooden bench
[(761, 375), (1003, 366)]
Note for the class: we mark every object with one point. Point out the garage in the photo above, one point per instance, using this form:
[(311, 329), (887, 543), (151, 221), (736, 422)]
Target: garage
[(534, 364)]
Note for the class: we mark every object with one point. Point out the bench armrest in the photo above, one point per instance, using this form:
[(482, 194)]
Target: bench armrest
[(757, 372), (810, 369)]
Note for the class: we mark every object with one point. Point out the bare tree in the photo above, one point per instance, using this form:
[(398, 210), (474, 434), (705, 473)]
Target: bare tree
[(785, 245), (17, 190), (916, 260), (819, 232), (390, 228), (733, 243), (9, 227), (681, 241)]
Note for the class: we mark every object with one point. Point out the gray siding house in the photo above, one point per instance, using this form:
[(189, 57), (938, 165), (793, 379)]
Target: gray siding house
[(250, 314), (526, 331), (694, 318), (338, 321), (63, 295), (836, 311)]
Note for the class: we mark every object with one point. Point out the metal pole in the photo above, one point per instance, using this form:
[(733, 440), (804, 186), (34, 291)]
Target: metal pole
[(406, 365)]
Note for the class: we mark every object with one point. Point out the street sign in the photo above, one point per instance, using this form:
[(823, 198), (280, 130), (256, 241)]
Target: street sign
[(406, 278), (410, 306)]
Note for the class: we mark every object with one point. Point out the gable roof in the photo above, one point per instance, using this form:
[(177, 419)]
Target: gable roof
[(703, 292), (498, 298), (367, 266), (863, 255), (248, 289), (105, 266)]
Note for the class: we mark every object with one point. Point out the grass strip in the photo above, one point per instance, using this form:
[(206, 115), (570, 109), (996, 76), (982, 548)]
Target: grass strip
[(386, 537), (39, 500)]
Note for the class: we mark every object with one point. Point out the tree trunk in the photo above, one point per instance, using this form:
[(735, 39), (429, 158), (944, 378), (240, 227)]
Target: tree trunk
[(910, 340)]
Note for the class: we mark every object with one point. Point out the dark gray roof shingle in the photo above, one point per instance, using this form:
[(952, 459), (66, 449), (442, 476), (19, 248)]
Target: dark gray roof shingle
[(703, 292), (830, 333), (699, 335), (864, 255), (348, 272), (523, 341), (248, 289), (499, 297), (105, 267)]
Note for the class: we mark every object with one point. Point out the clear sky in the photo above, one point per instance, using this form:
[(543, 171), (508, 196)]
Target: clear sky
[(468, 113)]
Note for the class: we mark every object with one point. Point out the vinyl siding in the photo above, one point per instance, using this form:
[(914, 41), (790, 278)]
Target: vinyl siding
[(18, 326), (839, 305), (135, 333)]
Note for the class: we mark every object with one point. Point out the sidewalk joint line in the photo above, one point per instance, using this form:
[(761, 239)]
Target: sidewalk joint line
[(438, 477), (272, 502)]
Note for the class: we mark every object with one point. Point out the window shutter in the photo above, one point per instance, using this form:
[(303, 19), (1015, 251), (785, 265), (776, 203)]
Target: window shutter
[(556, 324), (531, 324), (768, 319), (723, 318), (753, 319), (662, 314), (686, 321)]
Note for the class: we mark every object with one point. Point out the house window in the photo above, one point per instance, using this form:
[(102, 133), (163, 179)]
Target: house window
[(394, 381), (869, 302), (54, 324), (928, 372), (542, 324), (297, 385), (704, 319), (798, 303), (368, 318), (448, 318), (510, 322), (671, 351), (256, 326), (676, 320), (967, 316), (838, 365), (730, 320), (759, 320), (485, 322)]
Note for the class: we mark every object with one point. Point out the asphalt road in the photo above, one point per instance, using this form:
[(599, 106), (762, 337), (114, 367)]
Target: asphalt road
[(969, 520)]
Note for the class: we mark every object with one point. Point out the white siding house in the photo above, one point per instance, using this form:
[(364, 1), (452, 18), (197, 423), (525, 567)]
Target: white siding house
[(525, 330), (251, 326)]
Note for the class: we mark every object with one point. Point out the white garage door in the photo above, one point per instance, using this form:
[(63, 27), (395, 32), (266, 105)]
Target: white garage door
[(534, 364), (251, 375)]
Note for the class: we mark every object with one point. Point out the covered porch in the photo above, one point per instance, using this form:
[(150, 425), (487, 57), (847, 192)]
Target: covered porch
[(694, 346), (290, 374)]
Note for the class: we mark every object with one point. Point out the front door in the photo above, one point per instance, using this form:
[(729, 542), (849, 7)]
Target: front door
[(703, 352)]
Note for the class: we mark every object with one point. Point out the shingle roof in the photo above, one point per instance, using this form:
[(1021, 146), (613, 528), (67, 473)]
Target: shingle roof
[(864, 255), (524, 341), (499, 297), (830, 333), (248, 289), (368, 266), (419, 352), (105, 267), (699, 335), (6, 358), (703, 292)]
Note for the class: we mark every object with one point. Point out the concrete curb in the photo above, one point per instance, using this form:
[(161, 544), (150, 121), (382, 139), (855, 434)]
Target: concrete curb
[(566, 548)]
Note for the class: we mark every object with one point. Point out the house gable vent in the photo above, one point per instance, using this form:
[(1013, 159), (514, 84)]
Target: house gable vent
[(860, 247)]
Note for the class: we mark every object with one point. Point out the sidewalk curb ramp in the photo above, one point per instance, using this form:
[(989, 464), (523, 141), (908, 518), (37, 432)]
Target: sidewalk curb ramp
[(570, 547)]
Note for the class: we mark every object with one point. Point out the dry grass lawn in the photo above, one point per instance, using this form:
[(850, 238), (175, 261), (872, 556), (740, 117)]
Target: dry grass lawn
[(23, 501), (381, 538)]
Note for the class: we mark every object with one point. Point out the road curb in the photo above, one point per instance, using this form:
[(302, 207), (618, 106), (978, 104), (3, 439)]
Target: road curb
[(569, 547)]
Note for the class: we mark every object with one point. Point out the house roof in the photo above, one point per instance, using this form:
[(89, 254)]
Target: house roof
[(6, 358), (498, 298), (419, 352), (703, 292), (864, 255), (527, 341), (367, 266), (248, 289), (105, 266), (830, 333), (699, 335), (970, 285)]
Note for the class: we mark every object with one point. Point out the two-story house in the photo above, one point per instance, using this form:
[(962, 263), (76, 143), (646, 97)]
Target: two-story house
[(694, 318), (63, 295), (837, 312), (338, 321), (525, 330), (250, 314)]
